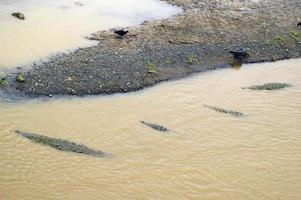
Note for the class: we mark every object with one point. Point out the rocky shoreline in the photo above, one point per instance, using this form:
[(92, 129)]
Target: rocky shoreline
[(197, 40)]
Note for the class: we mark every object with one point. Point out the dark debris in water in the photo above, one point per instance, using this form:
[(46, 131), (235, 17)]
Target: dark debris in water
[(268, 86), (60, 144), (221, 110)]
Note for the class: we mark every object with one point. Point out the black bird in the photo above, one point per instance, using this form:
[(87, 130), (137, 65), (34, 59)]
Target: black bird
[(239, 54), (121, 32), (299, 25)]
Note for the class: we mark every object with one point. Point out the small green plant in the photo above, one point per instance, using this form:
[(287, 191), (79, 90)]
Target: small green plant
[(274, 59), (191, 58), (280, 40), (167, 61), (294, 34), (151, 68), (70, 78), (251, 41), (20, 78), (3, 80), (267, 42)]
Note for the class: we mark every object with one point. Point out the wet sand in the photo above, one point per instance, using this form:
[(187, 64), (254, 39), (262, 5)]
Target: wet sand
[(196, 41)]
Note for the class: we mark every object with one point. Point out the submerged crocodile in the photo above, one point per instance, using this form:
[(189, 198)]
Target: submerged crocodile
[(62, 145), (221, 110), (268, 86), (155, 126)]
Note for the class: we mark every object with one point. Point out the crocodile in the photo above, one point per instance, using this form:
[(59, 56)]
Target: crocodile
[(268, 86), (155, 126), (221, 110), (61, 144)]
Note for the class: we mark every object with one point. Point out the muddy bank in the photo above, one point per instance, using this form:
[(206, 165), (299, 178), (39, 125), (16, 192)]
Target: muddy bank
[(197, 40)]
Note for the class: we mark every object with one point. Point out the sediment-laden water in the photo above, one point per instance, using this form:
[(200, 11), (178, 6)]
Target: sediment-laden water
[(205, 155), (60, 25)]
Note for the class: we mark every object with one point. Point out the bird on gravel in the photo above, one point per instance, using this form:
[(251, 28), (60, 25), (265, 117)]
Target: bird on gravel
[(121, 33), (239, 54), (299, 25)]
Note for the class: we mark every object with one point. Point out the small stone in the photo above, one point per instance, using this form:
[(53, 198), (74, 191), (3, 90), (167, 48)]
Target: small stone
[(69, 79)]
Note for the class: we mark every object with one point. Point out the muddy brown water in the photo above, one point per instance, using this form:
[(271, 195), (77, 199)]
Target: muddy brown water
[(58, 26), (207, 155)]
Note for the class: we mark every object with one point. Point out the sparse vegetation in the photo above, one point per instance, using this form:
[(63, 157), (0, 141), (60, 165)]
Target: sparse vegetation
[(167, 61), (283, 39), (151, 68), (280, 40), (20, 78), (294, 34), (3, 80), (274, 59), (267, 42), (191, 58)]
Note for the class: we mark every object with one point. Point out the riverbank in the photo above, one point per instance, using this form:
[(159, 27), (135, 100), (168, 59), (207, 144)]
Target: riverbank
[(197, 40)]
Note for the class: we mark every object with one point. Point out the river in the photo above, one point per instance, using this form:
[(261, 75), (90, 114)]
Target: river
[(206, 155)]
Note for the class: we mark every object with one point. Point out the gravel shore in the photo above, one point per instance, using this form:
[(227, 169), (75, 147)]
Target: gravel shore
[(197, 40)]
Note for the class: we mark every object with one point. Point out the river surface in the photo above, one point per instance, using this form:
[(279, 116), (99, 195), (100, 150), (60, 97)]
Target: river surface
[(207, 155), (62, 25)]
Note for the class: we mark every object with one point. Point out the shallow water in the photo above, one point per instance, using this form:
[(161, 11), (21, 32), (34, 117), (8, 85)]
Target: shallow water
[(207, 155), (61, 25)]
